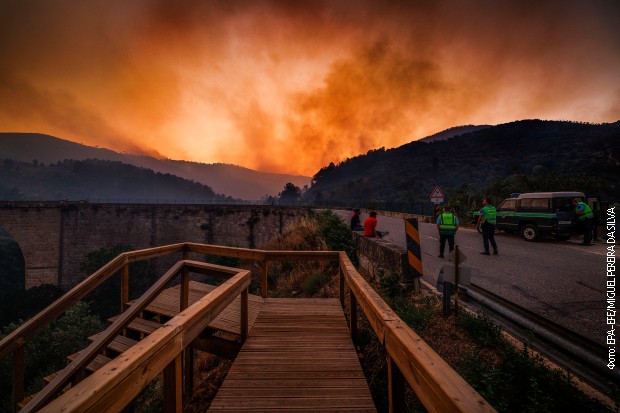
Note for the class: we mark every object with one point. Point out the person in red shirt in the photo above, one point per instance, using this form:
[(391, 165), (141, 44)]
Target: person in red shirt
[(370, 226)]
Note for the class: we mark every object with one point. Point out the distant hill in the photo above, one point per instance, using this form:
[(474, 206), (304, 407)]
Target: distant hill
[(235, 181), (452, 132), (473, 159), (95, 179)]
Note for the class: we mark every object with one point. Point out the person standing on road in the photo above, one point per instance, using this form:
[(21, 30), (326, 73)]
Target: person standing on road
[(447, 224), (585, 219), (487, 221), (356, 223)]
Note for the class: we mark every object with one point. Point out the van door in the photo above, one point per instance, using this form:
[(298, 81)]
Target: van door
[(565, 213), (506, 216)]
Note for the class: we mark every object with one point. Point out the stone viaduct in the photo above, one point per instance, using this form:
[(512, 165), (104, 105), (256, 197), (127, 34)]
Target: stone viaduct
[(55, 237)]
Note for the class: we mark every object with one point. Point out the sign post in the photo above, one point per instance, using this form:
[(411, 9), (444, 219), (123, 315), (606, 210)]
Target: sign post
[(453, 275)]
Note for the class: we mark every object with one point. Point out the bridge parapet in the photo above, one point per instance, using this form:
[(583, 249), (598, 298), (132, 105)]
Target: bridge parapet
[(377, 255), (56, 236)]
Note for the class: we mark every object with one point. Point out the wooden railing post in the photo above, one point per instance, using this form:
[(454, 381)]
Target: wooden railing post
[(396, 387), (263, 273), (18, 376), (244, 315), (173, 386), (188, 352), (124, 286), (341, 285), (353, 311), (184, 298)]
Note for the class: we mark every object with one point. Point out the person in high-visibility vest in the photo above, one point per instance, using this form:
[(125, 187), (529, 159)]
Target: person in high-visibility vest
[(487, 221), (447, 224), (585, 219)]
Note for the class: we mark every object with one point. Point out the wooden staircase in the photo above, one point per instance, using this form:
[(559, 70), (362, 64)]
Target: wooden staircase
[(219, 321), (224, 330)]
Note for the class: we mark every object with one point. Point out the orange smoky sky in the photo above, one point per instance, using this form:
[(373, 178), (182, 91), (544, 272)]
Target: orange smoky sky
[(290, 86)]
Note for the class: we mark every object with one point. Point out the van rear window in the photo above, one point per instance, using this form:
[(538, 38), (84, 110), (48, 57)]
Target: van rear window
[(535, 203), (564, 204)]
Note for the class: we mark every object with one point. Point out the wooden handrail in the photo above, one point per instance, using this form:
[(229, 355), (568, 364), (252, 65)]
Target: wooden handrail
[(31, 327), (437, 385), (117, 383), (86, 355), (235, 252)]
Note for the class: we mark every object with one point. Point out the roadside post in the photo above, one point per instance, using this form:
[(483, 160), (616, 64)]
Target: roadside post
[(414, 253), (456, 280), (454, 274)]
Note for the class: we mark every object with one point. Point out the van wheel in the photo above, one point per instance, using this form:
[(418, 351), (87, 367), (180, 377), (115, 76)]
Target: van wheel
[(530, 232)]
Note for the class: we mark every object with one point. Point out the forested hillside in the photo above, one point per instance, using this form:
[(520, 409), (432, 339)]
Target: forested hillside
[(476, 160), (95, 179), (231, 180)]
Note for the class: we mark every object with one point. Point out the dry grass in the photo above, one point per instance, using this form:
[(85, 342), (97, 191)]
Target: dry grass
[(209, 374)]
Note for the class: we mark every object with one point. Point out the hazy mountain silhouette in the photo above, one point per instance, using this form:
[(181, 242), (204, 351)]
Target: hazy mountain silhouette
[(235, 181), (95, 179)]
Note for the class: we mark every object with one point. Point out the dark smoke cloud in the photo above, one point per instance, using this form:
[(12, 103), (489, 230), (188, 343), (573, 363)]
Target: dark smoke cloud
[(291, 86)]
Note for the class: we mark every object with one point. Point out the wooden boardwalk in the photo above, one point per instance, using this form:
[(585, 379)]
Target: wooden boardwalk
[(299, 356), (166, 304)]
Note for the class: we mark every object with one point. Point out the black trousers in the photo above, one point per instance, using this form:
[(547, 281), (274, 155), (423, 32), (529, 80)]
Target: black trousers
[(488, 236), (442, 242), (588, 229)]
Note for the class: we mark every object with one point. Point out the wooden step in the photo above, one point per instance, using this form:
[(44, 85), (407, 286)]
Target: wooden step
[(120, 344), (93, 366), (142, 326), (24, 402)]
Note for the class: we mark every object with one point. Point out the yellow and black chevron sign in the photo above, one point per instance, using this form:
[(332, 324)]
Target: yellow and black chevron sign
[(414, 254)]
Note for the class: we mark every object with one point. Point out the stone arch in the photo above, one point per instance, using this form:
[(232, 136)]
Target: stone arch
[(12, 264), (35, 226)]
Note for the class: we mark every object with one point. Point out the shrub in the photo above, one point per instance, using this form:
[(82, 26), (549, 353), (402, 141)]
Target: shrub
[(47, 351), (105, 299)]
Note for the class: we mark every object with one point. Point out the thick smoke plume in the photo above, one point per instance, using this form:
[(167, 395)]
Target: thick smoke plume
[(291, 86)]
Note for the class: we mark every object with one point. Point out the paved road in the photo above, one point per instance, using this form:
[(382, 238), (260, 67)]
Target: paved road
[(558, 280)]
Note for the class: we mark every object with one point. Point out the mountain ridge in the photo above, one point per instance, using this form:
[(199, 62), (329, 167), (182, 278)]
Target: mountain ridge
[(409, 172), (231, 180)]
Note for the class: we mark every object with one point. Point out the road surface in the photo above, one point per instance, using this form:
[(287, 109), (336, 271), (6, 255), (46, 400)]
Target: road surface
[(561, 281)]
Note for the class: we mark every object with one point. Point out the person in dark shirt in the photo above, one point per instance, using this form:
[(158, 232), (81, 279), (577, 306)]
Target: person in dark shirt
[(356, 223)]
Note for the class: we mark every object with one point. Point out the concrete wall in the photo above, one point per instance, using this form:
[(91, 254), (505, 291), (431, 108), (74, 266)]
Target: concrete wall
[(378, 255), (420, 218), (55, 237)]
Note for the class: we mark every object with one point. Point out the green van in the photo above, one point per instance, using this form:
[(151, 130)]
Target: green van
[(538, 214)]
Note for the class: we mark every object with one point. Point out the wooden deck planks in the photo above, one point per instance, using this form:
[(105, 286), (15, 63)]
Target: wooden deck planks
[(167, 305), (298, 357)]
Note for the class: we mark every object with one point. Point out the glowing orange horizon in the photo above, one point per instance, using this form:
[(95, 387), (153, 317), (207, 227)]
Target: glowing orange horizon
[(292, 87)]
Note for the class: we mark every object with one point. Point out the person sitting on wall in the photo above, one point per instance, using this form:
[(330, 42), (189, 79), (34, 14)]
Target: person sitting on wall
[(356, 223), (370, 227)]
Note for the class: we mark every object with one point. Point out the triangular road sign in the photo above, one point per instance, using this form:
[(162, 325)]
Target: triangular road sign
[(437, 193)]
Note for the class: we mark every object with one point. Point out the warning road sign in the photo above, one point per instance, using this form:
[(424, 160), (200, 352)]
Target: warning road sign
[(437, 196)]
